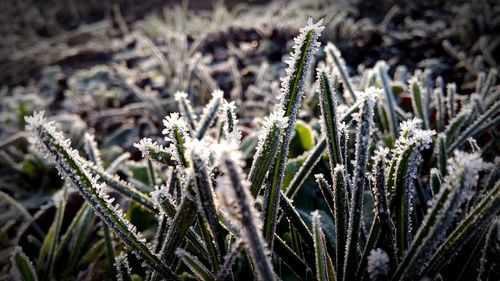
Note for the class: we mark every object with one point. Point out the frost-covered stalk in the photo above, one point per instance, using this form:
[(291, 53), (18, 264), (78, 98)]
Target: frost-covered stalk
[(91, 149), (329, 121), (57, 148), (314, 156), (229, 122), (153, 151), (206, 206), (488, 252), (416, 100), (458, 186), (296, 220), (390, 104), (440, 106), (201, 272), (176, 132), (23, 268), (164, 201), (441, 153), (334, 56), (482, 214), (292, 90), (475, 127), (324, 267), (94, 155), (327, 191), (402, 172), (186, 109), (363, 137), (306, 168), (435, 181), (176, 233), (123, 270), (121, 186), (270, 137), (387, 229), (209, 113), (451, 91), (341, 213), (488, 83), (229, 260), (232, 190)]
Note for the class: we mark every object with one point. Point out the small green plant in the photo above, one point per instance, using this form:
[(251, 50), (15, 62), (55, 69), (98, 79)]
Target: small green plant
[(406, 195)]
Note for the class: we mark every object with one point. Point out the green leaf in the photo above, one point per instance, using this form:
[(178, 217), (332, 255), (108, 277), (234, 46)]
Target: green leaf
[(480, 216), (314, 157), (233, 192), (416, 100), (290, 100), (195, 265), (49, 247), (303, 139), (23, 265), (206, 207), (334, 56), (53, 144), (329, 119), (323, 271), (365, 123), (270, 137), (209, 114), (390, 104)]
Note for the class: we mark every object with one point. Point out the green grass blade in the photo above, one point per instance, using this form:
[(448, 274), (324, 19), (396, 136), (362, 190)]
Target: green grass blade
[(198, 268), (292, 90), (320, 254), (110, 251), (314, 156), (416, 100), (270, 138), (481, 215), (290, 258), (180, 225), (472, 130), (23, 266), (334, 56), (232, 190), (329, 119), (153, 151), (390, 104), (126, 188), (294, 217), (365, 123), (186, 109), (206, 206), (78, 239), (451, 91), (54, 146), (210, 113), (53, 239)]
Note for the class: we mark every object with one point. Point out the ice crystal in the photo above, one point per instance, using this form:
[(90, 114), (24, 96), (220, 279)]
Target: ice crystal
[(230, 121), (292, 62), (123, 269), (378, 264)]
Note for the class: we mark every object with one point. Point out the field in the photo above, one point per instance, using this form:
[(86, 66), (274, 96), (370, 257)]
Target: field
[(281, 140)]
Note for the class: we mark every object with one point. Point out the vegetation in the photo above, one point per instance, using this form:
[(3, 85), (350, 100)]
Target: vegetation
[(385, 175)]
